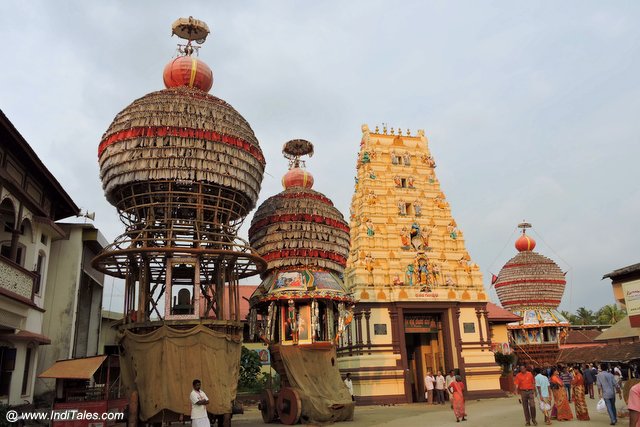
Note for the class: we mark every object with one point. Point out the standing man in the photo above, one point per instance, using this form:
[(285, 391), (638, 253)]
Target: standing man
[(607, 391), (450, 378), (349, 384), (199, 400), (543, 391), (566, 378), (440, 388), (589, 379), (525, 384), (429, 380), (633, 404)]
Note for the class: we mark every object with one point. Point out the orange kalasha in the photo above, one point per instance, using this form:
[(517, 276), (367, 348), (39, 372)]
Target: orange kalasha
[(525, 243), (188, 71), (297, 177)]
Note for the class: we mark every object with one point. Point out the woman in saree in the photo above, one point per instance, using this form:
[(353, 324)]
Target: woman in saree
[(577, 384), (457, 399), (563, 410)]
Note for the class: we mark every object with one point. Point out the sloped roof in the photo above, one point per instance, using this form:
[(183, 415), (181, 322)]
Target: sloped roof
[(580, 336), (623, 353), (495, 313), (633, 268), (622, 329), (82, 369)]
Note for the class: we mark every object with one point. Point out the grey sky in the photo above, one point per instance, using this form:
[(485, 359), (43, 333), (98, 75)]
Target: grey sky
[(531, 108)]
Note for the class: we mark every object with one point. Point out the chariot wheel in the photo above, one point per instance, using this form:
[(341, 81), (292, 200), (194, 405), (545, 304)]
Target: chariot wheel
[(268, 406), (289, 406)]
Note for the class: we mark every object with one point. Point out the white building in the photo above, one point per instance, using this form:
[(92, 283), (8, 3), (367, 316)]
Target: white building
[(31, 200)]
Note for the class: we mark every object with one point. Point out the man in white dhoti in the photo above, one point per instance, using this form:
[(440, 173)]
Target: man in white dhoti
[(199, 400)]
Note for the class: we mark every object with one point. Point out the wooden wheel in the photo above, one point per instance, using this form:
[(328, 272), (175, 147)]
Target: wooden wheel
[(289, 406), (268, 406)]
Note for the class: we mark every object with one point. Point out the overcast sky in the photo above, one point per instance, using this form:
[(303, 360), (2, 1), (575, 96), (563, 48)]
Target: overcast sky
[(531, 108)]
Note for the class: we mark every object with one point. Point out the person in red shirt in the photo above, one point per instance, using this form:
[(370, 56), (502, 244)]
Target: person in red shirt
[(525, 385)]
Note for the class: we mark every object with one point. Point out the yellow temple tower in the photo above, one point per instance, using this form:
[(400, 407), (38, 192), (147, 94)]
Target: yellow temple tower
[(421, 303)]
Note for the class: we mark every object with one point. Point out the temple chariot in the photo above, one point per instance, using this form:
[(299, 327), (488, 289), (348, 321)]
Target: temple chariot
[(183, 169)]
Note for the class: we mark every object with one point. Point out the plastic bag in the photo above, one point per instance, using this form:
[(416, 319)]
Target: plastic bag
[(544, 406), (601, 406)]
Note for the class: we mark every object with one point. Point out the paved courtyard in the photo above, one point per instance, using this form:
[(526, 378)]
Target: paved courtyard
[(482, 413)]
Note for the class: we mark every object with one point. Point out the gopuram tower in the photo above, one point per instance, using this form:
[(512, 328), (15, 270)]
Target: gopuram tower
[(183, 169), (421, 303), (531, 286)]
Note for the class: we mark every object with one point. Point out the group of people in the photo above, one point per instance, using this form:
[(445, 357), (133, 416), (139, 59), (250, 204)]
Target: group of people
[(556, 387), (453, 385)]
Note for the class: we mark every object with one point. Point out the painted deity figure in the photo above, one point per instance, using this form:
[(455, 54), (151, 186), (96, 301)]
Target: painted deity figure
[(368, 262), (365, 157), (402, 207), (439, 202), (292, 321), (410, 182), (426, 234), (430, 177), (417, 207), (315, 319), (372, 174), (409, 274), (423, 272), (453, 230), (397, 181), (406, 158), (372, 198), (396, 280), (405, 238), (449, 280), (394, 158), (370, 230), (435, 271)]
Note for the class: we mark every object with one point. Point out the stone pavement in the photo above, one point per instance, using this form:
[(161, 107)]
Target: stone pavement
[(503, 412)]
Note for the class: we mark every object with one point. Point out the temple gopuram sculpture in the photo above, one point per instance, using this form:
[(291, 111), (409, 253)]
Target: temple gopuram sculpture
[(421, 301), (183, 169), (531, 286), (303, 305)]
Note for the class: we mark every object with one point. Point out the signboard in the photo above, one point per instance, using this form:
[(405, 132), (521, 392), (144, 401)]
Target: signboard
[(631, 292), (420, 323), (264, 355)]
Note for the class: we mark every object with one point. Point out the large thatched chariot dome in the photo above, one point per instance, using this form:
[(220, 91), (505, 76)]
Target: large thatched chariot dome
[(182, 135)]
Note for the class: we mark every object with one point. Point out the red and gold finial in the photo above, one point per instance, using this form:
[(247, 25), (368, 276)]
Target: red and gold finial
[(297, 176), (186, 70), (524, 242)]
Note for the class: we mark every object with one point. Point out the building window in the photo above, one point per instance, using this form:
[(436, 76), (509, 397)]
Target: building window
[(469, 328), (39, 272), (7, 365), (5, 251), (379, 329), (43, 239), (25, 374)]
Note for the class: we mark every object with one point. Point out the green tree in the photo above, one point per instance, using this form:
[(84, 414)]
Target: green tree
[(610, 314), (584, 316), (249, 369), (570, 317)]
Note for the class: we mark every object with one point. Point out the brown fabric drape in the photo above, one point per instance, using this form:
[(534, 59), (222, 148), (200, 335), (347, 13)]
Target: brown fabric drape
[(324, 396), (161, 366)]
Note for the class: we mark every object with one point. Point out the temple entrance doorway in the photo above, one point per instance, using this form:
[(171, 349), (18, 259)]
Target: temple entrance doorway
[(425, 351)]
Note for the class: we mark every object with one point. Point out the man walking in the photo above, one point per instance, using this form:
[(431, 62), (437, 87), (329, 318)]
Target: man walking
[(607, 391), (589, 379), (525, 384), (543, 391), (429, 380), (450, 378)]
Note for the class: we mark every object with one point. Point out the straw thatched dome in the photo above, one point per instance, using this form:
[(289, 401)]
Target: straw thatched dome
[(300, 227), (530, 280), (182, 134)]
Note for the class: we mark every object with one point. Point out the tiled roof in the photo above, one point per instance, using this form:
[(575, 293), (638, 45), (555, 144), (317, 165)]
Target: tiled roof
[(496, 313)]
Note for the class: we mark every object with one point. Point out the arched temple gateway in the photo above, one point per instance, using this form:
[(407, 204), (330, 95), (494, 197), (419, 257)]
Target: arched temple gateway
[(421, 302)]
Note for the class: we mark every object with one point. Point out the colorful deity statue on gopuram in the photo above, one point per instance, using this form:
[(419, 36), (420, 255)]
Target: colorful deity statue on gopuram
[(302, 302), (531, 286), (183, 169)]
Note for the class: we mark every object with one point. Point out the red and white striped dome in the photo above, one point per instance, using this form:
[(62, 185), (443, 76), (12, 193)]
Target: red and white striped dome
[(530, 280)]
